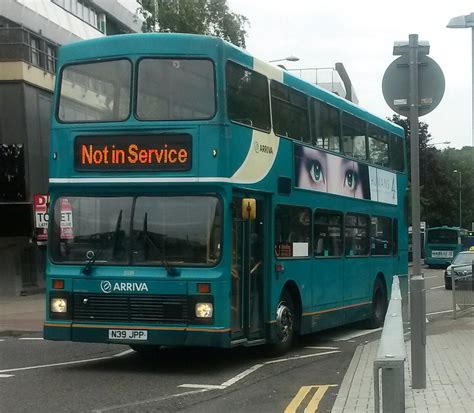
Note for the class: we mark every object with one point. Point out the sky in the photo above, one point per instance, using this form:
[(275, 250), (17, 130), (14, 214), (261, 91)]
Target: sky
[(360, 34)]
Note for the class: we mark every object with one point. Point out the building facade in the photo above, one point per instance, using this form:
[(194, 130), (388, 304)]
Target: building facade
[(31, 32)]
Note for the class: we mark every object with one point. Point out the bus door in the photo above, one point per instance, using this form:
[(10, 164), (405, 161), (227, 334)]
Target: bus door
[(247, 268)]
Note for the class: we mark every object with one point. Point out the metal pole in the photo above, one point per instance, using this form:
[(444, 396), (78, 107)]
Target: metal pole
[(414, 153), (417, 282), (472, 90), (460, 200), (418, 332)]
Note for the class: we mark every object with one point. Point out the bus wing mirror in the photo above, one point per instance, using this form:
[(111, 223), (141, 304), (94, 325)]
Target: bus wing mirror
[(249, 209)]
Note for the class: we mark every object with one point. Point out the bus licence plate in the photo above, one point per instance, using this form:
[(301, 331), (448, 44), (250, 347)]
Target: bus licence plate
[(140, 335), (442, 254)]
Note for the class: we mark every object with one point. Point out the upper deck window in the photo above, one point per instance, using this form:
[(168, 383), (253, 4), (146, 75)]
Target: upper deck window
[(247, 97), (289, 112), (326, 128), (175, 89), (95, 92)]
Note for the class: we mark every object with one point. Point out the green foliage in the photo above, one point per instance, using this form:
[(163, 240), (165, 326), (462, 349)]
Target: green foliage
[(439, 185), (209, 17)]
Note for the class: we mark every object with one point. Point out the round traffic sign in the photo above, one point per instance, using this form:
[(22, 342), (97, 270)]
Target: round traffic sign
[(396, 85)]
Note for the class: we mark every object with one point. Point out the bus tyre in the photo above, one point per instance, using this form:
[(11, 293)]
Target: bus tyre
[(379, 305), (285, 325)]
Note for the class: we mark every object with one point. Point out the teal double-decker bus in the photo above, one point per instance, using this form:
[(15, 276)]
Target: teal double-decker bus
[(444, 243), (202, 197)]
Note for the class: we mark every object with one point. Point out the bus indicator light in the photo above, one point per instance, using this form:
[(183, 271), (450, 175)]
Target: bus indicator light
[(204, 288), (58, 284)]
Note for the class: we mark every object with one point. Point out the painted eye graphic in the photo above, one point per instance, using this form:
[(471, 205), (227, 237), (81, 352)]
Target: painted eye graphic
[(316, 172), (350, 180)]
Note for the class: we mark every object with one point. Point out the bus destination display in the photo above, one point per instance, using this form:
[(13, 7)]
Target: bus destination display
[(133, 153)]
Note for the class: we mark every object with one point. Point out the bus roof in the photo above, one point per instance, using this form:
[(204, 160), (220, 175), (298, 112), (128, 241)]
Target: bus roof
[(110, 47)]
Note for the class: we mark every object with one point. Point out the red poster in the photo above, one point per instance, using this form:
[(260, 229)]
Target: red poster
[(67, 231), (40, 211)]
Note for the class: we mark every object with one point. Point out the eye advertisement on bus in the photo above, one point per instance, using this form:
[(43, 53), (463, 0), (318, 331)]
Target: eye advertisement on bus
[(321, 171)]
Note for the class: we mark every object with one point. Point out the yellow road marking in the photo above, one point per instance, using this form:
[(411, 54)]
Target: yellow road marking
[(294, 404), (313, 403)]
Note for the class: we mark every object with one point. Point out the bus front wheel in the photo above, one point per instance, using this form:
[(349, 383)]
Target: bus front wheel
[(379, 305), (285, 325)]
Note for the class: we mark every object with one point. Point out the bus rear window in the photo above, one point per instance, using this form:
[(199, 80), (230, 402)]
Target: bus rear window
[(95, 92), (442, 236), (175, 89)]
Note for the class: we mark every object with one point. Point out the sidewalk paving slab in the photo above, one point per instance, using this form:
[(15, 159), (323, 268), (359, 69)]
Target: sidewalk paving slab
[(449, 373)]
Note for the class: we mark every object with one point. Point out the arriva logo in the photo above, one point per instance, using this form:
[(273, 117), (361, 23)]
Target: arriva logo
[(106, 287)]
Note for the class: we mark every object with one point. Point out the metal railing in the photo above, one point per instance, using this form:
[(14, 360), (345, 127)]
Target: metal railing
[(391, 357), (21, 44), (462, 286)]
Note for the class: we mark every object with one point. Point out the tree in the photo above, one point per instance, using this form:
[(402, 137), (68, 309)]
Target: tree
[(439, 186), (210, 17)]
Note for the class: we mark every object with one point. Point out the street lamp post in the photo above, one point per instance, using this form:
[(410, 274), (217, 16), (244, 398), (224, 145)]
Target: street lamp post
[(290, 58), (464, 22), (439, 143), (460, 209)]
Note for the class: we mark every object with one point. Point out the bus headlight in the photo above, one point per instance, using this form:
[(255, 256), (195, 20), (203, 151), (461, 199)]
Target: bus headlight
[(58, 305), (204, 310)]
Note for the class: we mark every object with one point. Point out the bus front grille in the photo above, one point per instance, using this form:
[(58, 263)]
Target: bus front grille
[(136, 308)]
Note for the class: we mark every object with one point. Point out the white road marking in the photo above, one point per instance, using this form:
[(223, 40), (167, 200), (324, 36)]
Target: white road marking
[(301, 357), (204, 386), (323, 348), (4, 376), (66, 363), (250, 370), (1, 339), (435, 288), (348, 336), (158, 399), (440, 312), (240, 376), (30, 338)]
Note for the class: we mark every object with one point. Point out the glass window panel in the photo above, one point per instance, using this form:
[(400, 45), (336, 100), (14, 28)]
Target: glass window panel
[(78, 98), (328, 239), (292, 231), (97, 224), (247, 97), (353, 136), (175, 89), (378, 146), (326, 127), (381, 236), (397, 157), (289, 112), (179, 230), (356, 235)]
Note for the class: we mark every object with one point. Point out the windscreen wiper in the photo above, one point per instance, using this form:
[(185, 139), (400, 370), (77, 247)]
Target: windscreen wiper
[(92, 255), (169, 269)]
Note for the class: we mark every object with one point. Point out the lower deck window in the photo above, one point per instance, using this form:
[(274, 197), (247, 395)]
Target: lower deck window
[(292, 231)]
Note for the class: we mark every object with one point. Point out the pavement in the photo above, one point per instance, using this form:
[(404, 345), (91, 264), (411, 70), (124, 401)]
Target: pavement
[(449, 372), (21, 315), (449, 361)]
